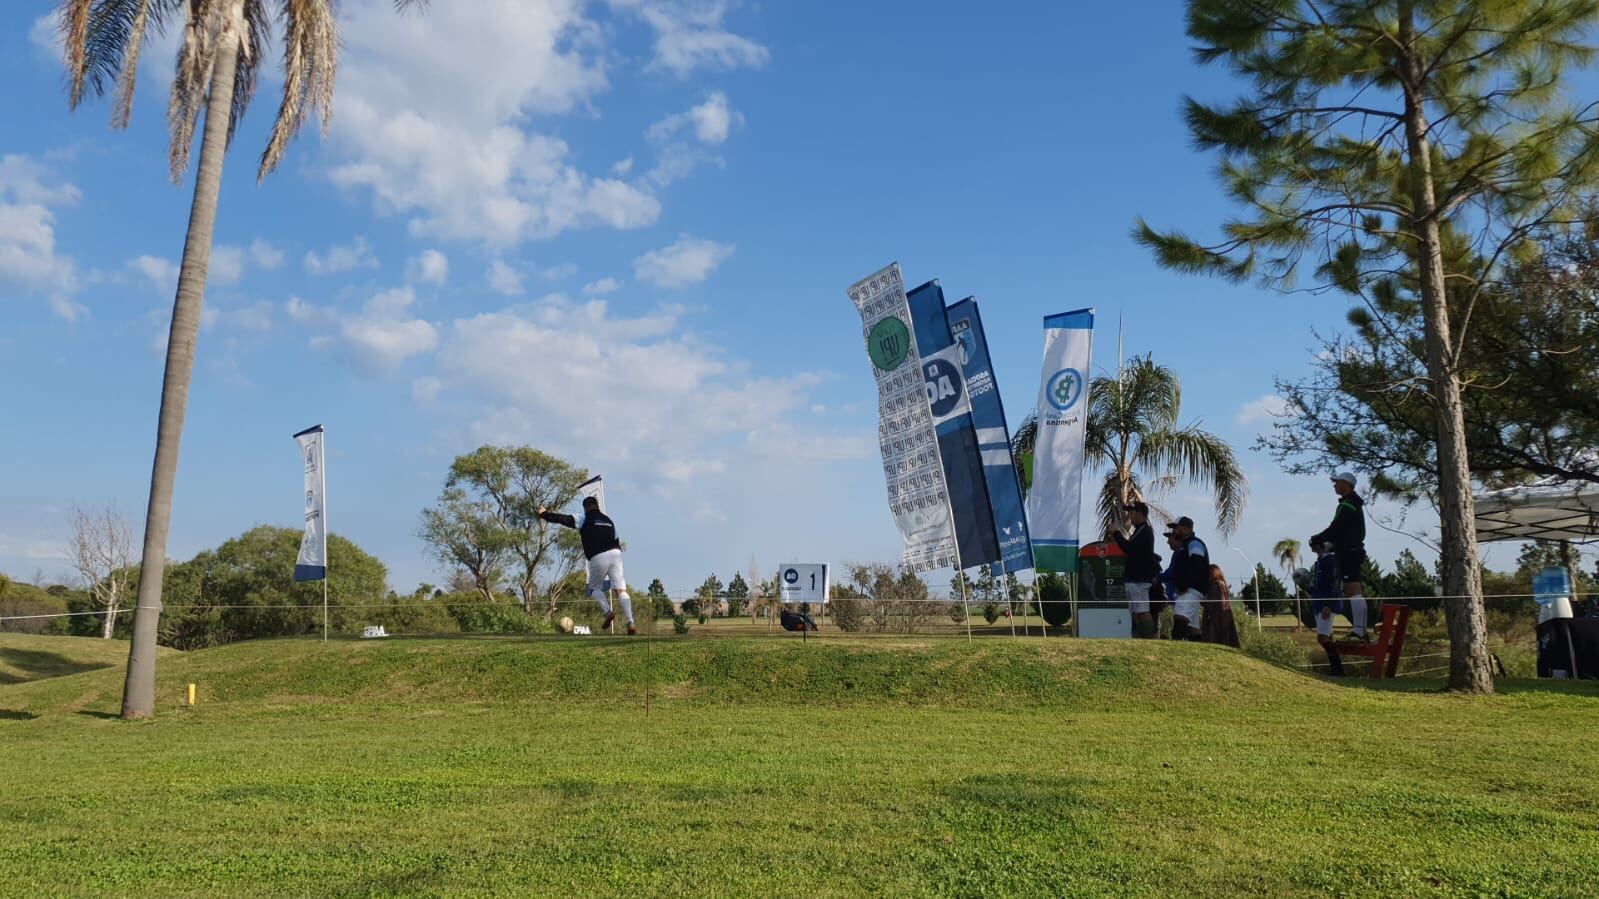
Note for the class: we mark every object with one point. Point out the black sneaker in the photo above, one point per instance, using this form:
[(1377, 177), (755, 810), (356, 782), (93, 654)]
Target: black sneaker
[(1353, 637), (609, 618)]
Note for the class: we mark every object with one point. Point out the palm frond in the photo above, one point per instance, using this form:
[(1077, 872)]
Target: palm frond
[(1204, 459), (83, 69), (310, 59), (1109, 505), (256, 26), (196, 58), (122, 106)]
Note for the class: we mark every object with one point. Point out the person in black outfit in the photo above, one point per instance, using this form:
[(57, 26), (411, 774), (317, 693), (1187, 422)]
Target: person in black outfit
[(1347, 534), (604, 553), (1190, 580), (1139, 549)]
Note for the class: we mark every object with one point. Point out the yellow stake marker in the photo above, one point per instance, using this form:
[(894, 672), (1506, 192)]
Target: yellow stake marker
[(191, 694)]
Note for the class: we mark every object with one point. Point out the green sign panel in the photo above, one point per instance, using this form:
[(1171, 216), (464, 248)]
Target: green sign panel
[(889, 343)]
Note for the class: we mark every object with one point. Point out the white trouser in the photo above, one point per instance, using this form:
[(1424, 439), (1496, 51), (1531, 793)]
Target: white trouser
[(607, 566), (1137, 598), (1187, 606)]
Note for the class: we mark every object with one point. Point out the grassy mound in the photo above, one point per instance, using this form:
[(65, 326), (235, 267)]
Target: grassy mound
[(943, 673), (771, 768)]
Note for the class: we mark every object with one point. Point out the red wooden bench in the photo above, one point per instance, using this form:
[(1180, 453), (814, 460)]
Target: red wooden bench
[(1384, 653)]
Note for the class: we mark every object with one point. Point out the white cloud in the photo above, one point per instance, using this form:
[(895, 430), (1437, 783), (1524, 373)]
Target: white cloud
[(303, 313), (711, 120), (1266, 408), (227, 265), (45, 35), (431, 267), (638, 394), (602, 287), (558, 272), (425, 390), (384, 335), (254, 317), (28, 257), (343, 258), (504, 279), (622, 167), (442, 136), (688, 261), (689, 35), (160, 274), (265, 255), (677, 157)]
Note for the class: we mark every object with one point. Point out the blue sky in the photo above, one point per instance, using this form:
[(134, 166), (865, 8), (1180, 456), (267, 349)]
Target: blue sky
[(620, 232)]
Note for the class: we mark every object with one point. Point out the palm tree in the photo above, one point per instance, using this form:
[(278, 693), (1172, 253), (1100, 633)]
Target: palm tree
[(218, 65), (1286, 552), (1133, 432)]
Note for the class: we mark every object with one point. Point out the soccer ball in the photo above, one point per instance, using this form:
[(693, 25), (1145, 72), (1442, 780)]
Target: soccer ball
[(566, 625)]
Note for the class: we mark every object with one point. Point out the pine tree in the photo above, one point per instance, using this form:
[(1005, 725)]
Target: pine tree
[(1400, 151)]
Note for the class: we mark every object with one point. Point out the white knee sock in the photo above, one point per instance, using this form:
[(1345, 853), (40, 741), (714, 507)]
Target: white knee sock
[(599, 597), (627, 606), (1357, 612)]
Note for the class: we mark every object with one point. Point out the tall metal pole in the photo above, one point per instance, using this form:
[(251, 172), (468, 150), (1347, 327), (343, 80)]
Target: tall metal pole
[(1254, 575)]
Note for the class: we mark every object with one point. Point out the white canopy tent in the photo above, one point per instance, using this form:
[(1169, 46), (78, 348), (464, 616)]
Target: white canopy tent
[(1551, 509)]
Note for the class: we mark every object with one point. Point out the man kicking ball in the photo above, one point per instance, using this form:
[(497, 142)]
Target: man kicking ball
[(604, 553)]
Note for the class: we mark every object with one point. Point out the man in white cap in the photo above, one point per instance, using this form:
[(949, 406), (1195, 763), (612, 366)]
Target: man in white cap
[(1347, 534)]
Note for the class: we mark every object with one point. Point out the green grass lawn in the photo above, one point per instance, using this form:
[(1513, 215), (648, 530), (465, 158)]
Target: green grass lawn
[(754, 766)]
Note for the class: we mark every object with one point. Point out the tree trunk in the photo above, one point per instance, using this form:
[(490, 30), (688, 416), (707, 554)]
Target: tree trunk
[(138, 692), (110, 625), (1469, 664)]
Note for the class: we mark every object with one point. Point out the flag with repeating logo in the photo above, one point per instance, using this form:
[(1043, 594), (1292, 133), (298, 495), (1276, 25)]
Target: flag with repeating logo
[(917, 494), (1054, 501), (975, 535), (312, 565), (993, 437)]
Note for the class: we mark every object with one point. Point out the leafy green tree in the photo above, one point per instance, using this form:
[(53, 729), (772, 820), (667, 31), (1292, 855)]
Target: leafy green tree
[(1054, 599), (1405, 150), (243, 590), (1272, 591), (1531, 406), (660, 599), (707, 595), (738, 590), (218, 63), (1411, 581), (515, 482), (466, 535)]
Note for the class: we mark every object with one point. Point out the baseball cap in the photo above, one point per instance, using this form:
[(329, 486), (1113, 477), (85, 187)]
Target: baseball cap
[(1348, 477), (1185, 522), (1139, 506)]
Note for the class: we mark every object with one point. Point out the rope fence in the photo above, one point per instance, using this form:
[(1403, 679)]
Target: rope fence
[(744, 601)]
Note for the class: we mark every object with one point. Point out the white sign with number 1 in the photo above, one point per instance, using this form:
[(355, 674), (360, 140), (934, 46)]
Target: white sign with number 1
[(802, 582)]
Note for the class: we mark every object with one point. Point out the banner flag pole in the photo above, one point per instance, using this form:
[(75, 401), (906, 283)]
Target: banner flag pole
[(312, 563)]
